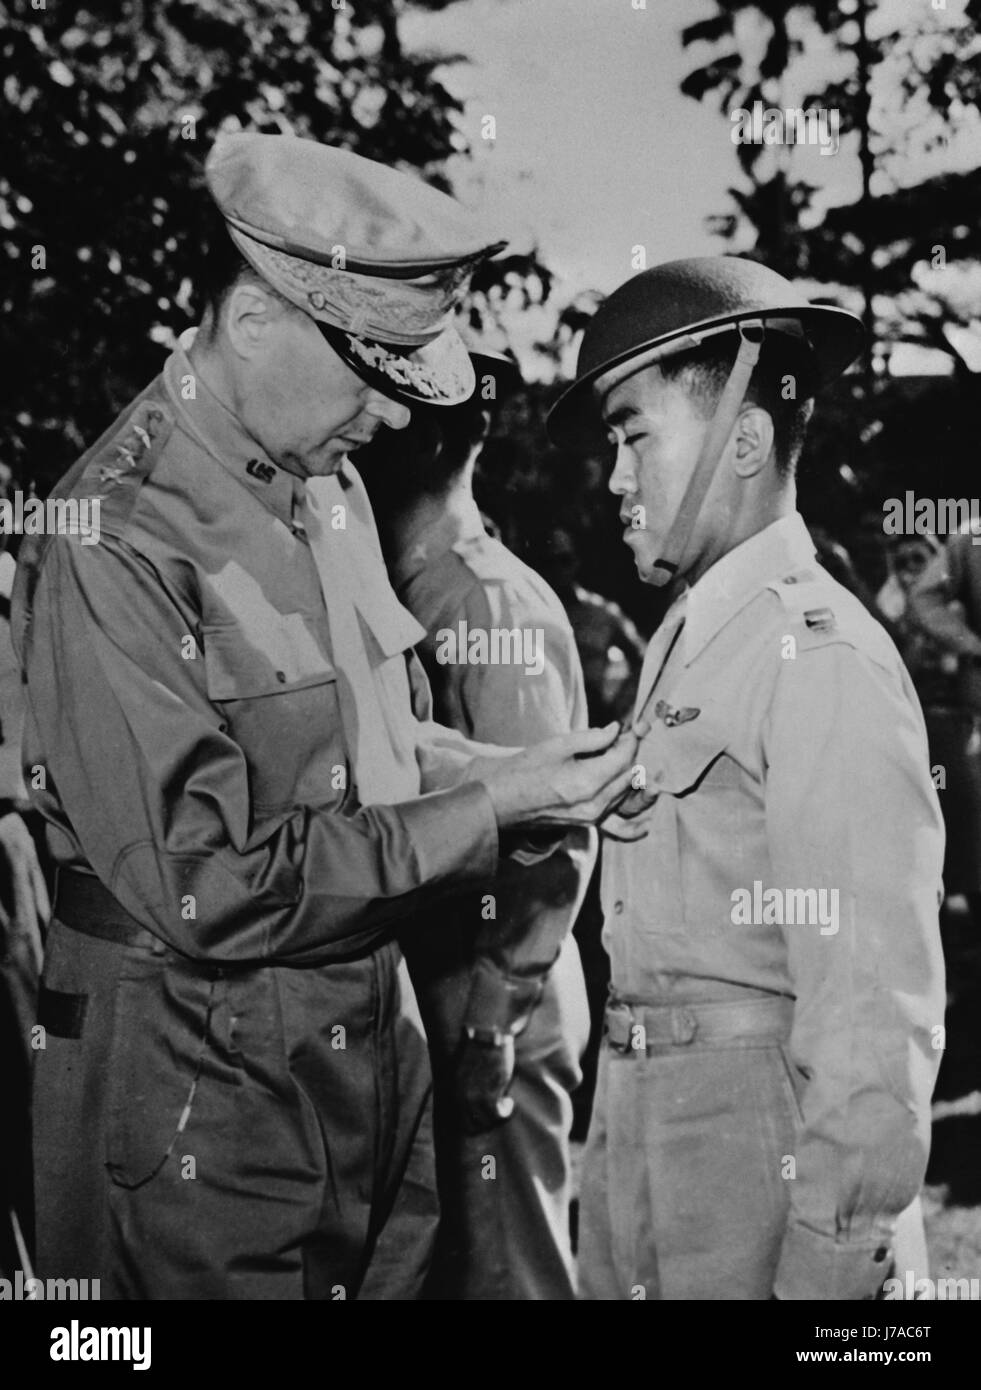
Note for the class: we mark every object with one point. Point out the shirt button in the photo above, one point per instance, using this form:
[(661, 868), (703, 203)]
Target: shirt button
[(618, 905), (281, 677)]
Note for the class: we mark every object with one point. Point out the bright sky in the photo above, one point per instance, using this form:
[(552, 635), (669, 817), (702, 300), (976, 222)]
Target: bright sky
[(596, 149)]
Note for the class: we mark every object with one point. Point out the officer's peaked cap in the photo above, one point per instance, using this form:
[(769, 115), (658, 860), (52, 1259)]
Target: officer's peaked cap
[(378, 258), (677, 306)]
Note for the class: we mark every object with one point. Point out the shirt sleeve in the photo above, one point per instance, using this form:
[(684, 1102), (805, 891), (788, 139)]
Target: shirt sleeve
[(850, 807), (157, 793)]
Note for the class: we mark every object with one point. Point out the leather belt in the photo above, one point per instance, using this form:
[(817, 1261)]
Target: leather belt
[(635, 1026), (83, 903)]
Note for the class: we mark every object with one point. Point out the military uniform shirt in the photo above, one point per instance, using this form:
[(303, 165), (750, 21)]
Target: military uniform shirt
[(459, 575), (183, 712), (787, 751)]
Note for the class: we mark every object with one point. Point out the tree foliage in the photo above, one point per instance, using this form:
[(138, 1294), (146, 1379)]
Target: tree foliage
[(924, 84), (108, 112)]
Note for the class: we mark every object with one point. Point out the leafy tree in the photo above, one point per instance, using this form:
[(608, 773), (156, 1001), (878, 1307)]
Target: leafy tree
[(108, 112), (886, 243)]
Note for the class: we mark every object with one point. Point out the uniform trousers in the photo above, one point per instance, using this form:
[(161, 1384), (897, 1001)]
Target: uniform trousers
[(685, 1174), (505, 1193), (206, 1133), (689, 1155)]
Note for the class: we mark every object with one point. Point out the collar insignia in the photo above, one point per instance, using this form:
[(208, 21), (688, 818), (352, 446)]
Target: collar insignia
[(263, 471), (820, 620)]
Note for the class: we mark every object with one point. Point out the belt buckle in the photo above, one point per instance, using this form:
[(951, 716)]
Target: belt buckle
[(684, 1026), (619, 1027)]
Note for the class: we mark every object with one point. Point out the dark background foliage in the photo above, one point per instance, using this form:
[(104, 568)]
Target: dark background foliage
[(109, 111)]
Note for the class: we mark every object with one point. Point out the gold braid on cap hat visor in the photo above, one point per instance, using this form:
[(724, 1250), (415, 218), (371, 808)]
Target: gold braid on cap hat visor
[(397, 311), (438, 380)]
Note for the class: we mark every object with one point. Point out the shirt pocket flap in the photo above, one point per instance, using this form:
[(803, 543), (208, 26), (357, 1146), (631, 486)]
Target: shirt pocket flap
[(287, 655), (677, 757)]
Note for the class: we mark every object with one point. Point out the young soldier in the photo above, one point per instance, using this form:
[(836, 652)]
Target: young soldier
[(777, 995)]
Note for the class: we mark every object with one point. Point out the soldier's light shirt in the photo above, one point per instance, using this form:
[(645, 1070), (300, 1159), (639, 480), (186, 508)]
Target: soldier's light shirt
[(805, 768)]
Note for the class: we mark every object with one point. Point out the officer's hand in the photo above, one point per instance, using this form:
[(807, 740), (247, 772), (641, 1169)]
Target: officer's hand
[(573, 779), (483, 1072), (29, 895)]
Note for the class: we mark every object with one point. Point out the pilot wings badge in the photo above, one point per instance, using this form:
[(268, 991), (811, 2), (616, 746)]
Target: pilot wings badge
[(672, 716)]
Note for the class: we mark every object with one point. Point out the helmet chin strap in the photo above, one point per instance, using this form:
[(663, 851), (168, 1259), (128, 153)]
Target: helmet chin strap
[(666, 567)]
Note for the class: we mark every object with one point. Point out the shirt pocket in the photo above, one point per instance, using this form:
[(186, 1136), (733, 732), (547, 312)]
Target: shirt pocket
[(282, 658), (678, 759), (686, 770), (277, 693)]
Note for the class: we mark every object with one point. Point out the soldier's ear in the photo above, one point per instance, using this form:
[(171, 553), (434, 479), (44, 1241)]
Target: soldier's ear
[(249, 312), (753, 441)]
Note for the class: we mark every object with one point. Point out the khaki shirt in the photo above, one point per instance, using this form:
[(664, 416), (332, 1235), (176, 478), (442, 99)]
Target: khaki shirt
[(458, 574), (788, 752), (183, 736)]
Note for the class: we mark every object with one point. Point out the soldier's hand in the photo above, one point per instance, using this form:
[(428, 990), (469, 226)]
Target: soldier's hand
[(482, 1075), (573, 779), (29, 903)]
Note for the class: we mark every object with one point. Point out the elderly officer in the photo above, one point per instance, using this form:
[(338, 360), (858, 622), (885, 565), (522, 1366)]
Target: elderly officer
[(497, 971), (231, 1095), (777, 996)]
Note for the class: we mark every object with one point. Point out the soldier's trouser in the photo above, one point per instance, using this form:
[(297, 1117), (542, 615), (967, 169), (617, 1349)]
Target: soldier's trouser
[(684, 1193), (505, 1193), (231, 1134)]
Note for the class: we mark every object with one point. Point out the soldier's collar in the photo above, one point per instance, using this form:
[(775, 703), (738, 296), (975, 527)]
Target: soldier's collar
[(739, 576), (460, 522), (218, 431)]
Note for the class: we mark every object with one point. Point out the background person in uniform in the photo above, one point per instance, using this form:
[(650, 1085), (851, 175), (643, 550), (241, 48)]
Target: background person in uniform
[(233, 1100), (944, 607), (762, 1117), (501, 989)]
